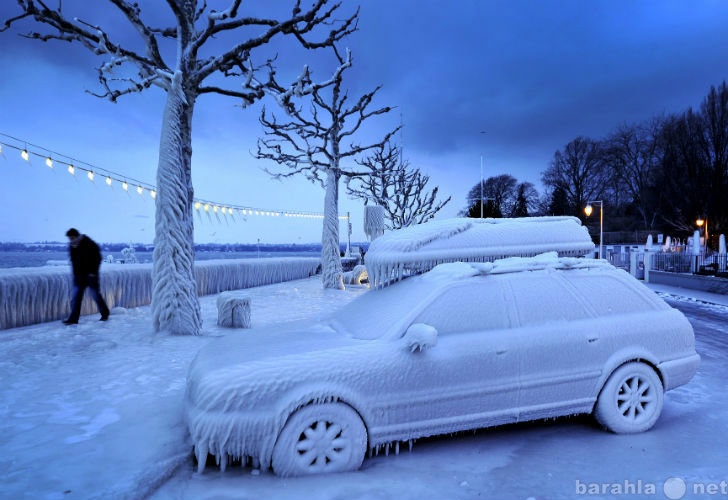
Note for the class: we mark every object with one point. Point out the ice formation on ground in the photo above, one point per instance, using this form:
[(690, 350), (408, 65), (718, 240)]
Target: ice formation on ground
[(419, 248)]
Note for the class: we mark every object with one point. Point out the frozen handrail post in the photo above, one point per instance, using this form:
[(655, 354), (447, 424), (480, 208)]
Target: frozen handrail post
[(233, 310), (374, 224)]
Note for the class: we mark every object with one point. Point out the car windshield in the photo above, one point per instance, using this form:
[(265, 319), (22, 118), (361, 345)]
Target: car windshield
[(378, 311)]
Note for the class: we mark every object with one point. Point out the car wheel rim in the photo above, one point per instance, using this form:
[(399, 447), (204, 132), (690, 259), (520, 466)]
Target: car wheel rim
[(636, 399), (321, 445)]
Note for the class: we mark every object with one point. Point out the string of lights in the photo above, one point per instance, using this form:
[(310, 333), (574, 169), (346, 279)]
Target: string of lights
[(74, 166)]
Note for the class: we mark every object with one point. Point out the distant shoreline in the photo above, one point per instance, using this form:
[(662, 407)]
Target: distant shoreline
[(199, 247), (56, 254)]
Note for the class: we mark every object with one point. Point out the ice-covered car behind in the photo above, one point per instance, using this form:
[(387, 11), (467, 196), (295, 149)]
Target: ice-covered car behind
[(463, 346)]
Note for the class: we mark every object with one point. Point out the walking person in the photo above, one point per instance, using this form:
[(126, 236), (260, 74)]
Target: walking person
[(85, 260)]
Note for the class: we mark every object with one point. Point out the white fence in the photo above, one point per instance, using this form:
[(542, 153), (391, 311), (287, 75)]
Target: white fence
[(37, 295)]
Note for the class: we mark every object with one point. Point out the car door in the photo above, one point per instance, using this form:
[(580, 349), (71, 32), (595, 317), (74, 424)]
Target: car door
[(561, 349), (469, 379)]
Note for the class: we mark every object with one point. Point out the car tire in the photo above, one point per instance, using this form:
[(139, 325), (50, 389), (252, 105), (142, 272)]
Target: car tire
[(320, 438), (631, 400)]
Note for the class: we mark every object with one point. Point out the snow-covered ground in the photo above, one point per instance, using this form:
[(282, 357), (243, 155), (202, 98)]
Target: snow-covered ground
[(95, 411)]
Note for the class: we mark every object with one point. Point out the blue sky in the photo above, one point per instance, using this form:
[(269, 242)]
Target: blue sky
[(533, 74)]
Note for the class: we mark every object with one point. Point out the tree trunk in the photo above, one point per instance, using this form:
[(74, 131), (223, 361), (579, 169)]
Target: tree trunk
[(331, 272), (175, 306)]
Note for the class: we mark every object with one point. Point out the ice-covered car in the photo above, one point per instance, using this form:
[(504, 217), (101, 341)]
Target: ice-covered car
[(461, 347)]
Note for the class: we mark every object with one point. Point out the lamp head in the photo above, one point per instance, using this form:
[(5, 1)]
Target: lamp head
[(588, 210)]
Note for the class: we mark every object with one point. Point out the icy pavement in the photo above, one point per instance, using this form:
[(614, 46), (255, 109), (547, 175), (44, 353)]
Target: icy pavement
[(95, 410)]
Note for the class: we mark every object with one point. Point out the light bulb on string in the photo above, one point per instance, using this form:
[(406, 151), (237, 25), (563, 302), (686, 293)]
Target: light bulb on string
[(226, 210)]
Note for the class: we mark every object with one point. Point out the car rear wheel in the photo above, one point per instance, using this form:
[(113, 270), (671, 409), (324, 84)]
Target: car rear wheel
[(631, 400), (320, 438)]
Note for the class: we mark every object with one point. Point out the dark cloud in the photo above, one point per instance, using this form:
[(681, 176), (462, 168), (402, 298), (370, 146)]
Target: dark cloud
[(534, 74), (537, 74)]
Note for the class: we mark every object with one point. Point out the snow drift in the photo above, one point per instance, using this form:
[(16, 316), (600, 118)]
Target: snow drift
[(416, 249), (37, 295)]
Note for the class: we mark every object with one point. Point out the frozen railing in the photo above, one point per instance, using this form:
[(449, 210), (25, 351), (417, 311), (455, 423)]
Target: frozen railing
[(37, 295)]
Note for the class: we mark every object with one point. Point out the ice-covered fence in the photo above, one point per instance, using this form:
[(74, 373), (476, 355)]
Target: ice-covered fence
[(214, 276), (36, 295)]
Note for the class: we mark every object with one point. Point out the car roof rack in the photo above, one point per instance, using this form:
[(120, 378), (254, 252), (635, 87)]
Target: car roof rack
[(419, 248), (453, 271)]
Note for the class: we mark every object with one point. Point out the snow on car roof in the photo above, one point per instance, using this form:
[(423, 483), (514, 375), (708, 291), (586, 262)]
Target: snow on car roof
[(419, 248), (546, 260)]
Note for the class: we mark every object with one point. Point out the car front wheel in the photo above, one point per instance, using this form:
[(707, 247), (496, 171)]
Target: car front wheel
[(320, 438), (631, 400)]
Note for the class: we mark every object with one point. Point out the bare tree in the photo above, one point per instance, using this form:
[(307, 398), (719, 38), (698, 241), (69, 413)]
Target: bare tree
[(499, 196), (399, 189), (695, 163), (633, 153), (311, 142), (179, 68), (579, 171), (714, 143)]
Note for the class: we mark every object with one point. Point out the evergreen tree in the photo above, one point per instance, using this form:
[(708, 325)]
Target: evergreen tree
[(559, 202)]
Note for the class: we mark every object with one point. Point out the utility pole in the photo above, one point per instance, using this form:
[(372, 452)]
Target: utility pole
[(481, 179)]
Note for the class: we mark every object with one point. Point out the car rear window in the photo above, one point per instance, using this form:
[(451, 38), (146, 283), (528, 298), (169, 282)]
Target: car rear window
[(610, 295)]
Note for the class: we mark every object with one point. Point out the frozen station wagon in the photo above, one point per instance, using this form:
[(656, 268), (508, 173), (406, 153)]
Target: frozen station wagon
[(463, 346)]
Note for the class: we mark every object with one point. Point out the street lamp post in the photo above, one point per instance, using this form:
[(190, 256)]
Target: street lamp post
[(700, 223), (588, 211), (481, 186), (481, 180)]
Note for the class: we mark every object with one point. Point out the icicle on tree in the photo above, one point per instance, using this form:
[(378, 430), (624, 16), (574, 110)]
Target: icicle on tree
[(171, 61), (393, 185), (311, 143)]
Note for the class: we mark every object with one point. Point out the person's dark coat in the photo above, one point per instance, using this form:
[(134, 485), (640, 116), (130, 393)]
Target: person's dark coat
[(85, 258)]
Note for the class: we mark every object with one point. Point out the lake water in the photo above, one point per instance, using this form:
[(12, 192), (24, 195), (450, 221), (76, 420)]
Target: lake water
[(19, 258)]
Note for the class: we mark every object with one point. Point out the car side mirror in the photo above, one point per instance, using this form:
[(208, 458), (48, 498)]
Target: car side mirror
[(419, 337)]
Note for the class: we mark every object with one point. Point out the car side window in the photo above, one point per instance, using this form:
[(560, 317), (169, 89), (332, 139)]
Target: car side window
[(614, 296), (541, 299), (467, 308)]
